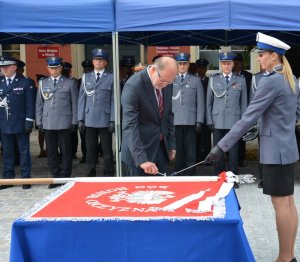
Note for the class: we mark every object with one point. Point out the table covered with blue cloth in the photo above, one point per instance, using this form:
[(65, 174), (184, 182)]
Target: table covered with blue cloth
[(127, 240)]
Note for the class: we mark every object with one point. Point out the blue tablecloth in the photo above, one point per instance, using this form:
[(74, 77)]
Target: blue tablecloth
[(219, 240)]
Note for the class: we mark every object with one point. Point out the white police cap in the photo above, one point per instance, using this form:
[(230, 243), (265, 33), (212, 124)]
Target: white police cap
[(269, 43)]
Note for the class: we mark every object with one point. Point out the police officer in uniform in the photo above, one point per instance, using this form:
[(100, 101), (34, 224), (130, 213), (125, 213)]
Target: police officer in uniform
[(203, 138), (20, 71), (248, 136), (275, 106), (56, 116), (17, 96), (238, 69), (87, 66), (96, 113), (188, 107), (226, 103), (67, 71)]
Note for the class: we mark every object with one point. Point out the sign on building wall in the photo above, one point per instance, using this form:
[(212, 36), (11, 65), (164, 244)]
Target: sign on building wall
[(167, 50), (44, 51)]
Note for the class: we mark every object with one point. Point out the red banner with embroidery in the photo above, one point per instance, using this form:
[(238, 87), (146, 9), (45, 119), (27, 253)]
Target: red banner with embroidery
[(132, 200)]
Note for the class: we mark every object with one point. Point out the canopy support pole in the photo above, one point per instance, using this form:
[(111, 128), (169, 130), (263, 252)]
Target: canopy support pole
[(117, 99)]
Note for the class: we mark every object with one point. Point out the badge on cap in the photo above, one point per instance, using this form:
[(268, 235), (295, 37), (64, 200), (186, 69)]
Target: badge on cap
[(202, 62), (7, 61), (54, 61), (182, 57), (100, 53), (226, 56)]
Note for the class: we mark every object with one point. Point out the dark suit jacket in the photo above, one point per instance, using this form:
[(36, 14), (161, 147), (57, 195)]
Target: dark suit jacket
[(20, 97), (142, 126)]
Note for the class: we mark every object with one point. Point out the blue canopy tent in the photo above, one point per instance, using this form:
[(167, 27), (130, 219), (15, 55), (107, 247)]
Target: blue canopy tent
[(218, 22), (56, 21)]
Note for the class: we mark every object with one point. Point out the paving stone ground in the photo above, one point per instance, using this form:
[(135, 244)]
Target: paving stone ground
[(256, 209)]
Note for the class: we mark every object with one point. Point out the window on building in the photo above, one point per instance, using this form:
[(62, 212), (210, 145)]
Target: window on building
[(210, 53), (11, 50)]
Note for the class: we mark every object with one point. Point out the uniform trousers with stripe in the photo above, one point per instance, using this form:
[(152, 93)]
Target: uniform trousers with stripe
[(8, 143)]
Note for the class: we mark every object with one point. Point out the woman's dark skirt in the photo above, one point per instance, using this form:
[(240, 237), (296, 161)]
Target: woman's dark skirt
[(278, 180)]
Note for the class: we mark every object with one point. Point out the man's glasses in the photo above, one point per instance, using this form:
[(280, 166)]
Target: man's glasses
[(162, 81)]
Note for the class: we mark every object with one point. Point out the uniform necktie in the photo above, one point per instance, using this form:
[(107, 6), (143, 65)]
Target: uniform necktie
[(8, 82), (227, 79), (160, 107), (160, 103), (55, 81), (182, 78), (98, 77)]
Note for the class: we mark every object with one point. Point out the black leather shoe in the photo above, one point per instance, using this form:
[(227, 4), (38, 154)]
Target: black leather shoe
[(27, 186), (236, 185), (294, 260), (5, 186), (260, 184), (53, 186)]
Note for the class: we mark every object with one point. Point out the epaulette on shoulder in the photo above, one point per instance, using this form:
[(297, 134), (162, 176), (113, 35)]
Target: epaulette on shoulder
[(268, 74), (215, 74), (240, 75)]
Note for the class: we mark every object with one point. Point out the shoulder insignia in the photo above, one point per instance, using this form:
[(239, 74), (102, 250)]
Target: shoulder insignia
[(268, 74), (215, 74)]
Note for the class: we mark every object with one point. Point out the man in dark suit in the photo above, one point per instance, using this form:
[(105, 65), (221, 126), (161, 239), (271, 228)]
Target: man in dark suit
[(17, 96), (148, 131)]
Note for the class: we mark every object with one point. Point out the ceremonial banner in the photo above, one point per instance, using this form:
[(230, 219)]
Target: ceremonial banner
[(137, 199), (134, 219)]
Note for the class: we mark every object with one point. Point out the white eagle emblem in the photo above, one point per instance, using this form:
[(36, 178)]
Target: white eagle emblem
[(143, 197)]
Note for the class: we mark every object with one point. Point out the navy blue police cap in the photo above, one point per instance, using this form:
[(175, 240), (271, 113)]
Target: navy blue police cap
[(128, 61), (20, 63), (239, 57), (54, 61), (87, 63), (7, 61), (66, 65), (269, 43), (182, 57), (226, 56), (100, 53), (202, 62)]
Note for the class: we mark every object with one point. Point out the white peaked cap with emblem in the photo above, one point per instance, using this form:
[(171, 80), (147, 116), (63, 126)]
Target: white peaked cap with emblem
[(269, 43)]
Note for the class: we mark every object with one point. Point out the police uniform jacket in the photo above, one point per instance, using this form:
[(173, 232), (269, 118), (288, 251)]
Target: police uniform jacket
[(225, 104), (19, 109), (254, 83), (188, 100), (96, 100), (276, 108), (56, 107)]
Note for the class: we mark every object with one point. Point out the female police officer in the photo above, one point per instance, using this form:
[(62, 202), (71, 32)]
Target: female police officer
[(275, 105)]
